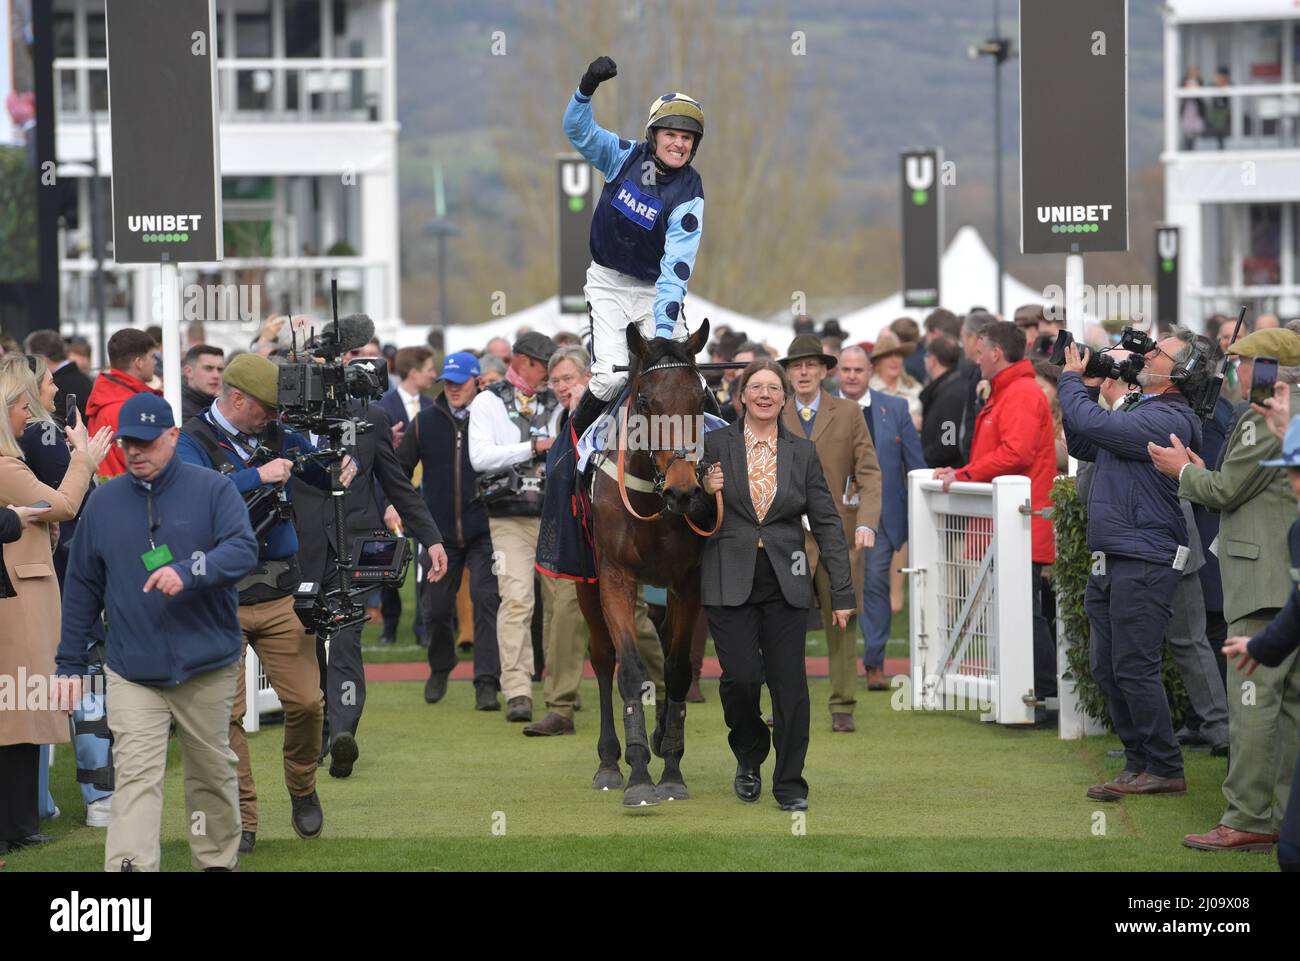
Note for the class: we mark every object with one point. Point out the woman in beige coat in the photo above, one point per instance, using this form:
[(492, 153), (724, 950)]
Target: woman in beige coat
[(29, 620)]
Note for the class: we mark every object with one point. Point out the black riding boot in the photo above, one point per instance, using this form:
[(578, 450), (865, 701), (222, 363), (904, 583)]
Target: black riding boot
[(589, 408)]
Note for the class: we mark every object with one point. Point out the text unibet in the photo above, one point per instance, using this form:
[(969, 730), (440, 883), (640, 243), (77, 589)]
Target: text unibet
[(164, 223)]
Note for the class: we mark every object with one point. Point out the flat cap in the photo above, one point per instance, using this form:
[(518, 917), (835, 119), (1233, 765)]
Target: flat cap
[(254, 375), (1280, 343)]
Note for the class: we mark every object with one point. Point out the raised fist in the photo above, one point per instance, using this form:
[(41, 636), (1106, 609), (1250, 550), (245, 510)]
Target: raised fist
[(601, 69)]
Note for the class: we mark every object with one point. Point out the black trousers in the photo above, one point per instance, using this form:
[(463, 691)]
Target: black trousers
[(439, 600), (390, 603), (1044, 644), (1129, 608), (19, 776), (764, 638)]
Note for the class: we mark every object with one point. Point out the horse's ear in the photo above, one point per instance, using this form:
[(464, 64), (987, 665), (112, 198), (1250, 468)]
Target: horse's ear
[(635, 342), (698, 339)]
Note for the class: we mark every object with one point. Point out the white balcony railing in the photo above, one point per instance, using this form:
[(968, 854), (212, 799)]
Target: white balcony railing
[(1257, 117), (255, 90)]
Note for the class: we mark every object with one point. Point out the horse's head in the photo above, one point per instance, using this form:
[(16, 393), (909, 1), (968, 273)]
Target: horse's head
[(667, 416)]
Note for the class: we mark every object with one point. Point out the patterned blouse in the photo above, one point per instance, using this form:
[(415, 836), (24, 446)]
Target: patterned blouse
[(760, 457)]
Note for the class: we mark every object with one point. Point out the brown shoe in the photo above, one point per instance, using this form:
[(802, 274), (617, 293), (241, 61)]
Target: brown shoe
[(842, 724), (519, 709), (550, 726), (693, 694), (1098, 792), (1224, 838), (1145, 783), (876, 680)]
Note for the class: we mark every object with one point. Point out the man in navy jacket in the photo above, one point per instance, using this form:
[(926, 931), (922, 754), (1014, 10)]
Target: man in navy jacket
[(161, 550), (898, 448), (414, 368), (1137, 532)]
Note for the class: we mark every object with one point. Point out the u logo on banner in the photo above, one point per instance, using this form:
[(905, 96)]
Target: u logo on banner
[(919, 172), (575, 178), (1167, 244)]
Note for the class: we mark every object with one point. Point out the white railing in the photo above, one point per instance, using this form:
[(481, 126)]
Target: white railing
[(262, 90), (1259, 117), (971, 630), (260, 696)]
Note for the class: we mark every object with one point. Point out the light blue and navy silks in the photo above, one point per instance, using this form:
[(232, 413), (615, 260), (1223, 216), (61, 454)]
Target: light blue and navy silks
[(648, 223)]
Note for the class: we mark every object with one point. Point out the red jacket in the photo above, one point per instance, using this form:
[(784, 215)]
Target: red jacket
[(1014, 435), (112, 389)]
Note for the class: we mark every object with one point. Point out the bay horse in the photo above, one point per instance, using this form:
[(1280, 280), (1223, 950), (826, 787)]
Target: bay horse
[(642, 534)]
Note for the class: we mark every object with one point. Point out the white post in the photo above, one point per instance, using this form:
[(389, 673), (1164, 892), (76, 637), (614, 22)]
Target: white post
[(171, 325), (1013, 572), (923, 615), (252, 667)]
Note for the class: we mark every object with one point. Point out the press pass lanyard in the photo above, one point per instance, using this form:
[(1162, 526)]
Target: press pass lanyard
[(156, 556)]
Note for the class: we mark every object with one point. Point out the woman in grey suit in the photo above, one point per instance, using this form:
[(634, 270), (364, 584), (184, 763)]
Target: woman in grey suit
[(755, 583)]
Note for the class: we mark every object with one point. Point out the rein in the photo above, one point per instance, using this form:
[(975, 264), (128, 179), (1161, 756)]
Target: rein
[(678, 454)]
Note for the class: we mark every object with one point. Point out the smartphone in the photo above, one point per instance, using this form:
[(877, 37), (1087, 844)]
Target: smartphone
[(70, 412), (1262, 379)]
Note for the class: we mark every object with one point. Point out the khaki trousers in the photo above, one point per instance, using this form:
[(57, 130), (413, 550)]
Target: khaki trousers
[(841, 644), (140, 721), (514, 549), (565, 637), (288, 655), (1263, 722)]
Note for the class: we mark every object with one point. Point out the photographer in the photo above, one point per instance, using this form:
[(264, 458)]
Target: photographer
[(239, 435), (1137, 526), (343, 674), (512, 424)]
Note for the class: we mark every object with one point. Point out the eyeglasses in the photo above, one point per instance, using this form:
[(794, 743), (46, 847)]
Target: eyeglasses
[(764, 389)]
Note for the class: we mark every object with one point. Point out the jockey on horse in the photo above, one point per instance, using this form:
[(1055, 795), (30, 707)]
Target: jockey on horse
[(645, 234)]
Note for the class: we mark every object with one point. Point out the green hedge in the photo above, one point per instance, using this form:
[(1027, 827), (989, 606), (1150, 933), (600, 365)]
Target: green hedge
[(1070, 580)]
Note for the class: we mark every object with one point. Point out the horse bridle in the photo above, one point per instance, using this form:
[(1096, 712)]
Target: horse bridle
[(678, 453)]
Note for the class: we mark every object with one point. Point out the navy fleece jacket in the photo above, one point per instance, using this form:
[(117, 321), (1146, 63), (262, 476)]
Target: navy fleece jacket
[(153, 639)]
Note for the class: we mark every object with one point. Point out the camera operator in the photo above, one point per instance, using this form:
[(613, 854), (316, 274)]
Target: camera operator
[(512, 424), (1137, 524), (240, 435), (379, 478)]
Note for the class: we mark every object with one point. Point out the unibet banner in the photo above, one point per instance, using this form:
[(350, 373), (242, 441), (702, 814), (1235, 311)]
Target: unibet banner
[(1073, 126), (1167, 249), (162, 88), (922, 227), (578, 196)]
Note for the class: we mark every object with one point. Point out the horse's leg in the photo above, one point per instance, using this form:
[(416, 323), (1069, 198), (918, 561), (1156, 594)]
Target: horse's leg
[(608, 776), (618, 601), (683, 609)]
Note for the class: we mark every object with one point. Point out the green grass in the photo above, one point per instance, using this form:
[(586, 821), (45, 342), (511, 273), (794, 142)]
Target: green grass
[(909, 791)]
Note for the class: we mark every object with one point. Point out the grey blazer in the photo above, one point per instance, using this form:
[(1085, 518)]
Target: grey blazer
[(727, 565)]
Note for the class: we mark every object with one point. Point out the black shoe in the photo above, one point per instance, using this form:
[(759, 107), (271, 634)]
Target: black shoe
[(387, 640), (343, 754), (1185, 735), (798, 804), (1220, 750), (31, 841), (422, 642), (247, 841), (485, 698), (589, 408), (749, 785), (308, 818), (435, 688)]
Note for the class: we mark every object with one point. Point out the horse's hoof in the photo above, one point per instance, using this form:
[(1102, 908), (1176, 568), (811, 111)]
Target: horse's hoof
[(607, 779), (672, 791), (640, 795)]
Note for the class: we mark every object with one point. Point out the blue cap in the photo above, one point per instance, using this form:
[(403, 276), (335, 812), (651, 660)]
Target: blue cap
[(1290, 447), (459, 367), (144, 417)]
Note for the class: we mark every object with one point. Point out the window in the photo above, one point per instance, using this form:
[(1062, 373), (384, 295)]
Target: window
[(1263, 262), (302, 28)]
